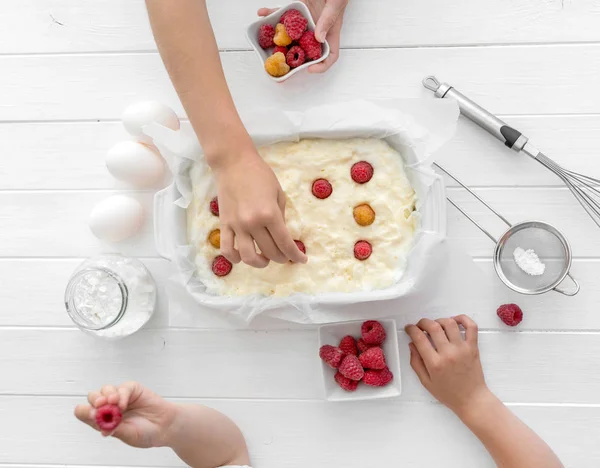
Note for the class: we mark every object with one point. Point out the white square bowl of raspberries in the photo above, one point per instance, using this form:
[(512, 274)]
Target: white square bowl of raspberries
[(285, 41), (360, 360)]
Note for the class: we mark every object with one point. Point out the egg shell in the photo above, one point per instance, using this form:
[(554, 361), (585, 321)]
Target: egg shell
[(136, 116), (116, 218), (135, 163)]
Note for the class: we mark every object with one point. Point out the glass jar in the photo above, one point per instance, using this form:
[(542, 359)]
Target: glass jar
[(111, 296)]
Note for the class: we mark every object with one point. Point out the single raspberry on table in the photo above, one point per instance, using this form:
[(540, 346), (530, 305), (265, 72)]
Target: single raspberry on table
[(300, 246), (373, 358), (361, 172), (348, 345), (351, 368), (373, 332), (347, 384), (362, 346), (311, 46), (295, 57), (290, 12), (321, 188), (510, 314), (364, 215), (108, 417), (331, 355), (266, 33), (378, 378), (221, 266), (283, 50), (362, 250), (281, 36), (295, 24), (275, 65), (214, 206)]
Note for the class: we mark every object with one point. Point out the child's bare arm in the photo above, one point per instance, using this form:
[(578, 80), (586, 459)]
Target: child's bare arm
[(451, 371), (251, 201), (200, 436)]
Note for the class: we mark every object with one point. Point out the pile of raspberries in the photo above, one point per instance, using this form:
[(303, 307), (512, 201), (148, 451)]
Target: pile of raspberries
[(292, 43), (360, 360)]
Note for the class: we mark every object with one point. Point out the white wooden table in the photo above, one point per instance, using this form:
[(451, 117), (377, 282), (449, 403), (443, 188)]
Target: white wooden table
[(67, 70)]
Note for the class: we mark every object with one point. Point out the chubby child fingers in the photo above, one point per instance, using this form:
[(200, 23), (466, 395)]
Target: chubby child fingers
[(266, 11), (471, 329), (228, 245), (422, 344), (86, 414), (111, 394), (418, 365), (451, 329), (435, 331)]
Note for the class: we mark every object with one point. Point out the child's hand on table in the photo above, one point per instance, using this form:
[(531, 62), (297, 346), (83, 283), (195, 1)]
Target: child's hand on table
[(329, 15), (451, 370), (146, 416)]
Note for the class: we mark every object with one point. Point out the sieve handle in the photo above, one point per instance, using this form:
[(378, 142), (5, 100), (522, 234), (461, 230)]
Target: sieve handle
[(569, 293)]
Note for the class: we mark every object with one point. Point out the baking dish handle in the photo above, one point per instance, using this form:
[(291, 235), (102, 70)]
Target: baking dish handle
[(438, 193), (163, 205)]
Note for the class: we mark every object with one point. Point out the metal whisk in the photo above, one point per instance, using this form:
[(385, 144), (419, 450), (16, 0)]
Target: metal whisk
[(585, 189)]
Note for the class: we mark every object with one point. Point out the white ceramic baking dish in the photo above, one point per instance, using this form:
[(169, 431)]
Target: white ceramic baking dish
[(170, 229)]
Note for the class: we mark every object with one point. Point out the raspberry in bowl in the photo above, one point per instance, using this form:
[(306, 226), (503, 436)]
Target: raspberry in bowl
[(372, 373), (291, 28)]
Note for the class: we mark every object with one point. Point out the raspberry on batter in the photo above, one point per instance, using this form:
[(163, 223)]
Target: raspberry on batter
[(321, 188)]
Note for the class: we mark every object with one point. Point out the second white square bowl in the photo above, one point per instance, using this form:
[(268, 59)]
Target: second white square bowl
[(332, 334)]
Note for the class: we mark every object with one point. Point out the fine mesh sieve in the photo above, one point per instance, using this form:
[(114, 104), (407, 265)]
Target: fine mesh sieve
[(549, 244), (551, 247)]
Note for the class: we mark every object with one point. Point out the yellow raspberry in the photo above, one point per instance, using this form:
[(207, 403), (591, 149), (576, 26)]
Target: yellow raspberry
[(215, 238), (364, 215), (276, 66), (281, 36)]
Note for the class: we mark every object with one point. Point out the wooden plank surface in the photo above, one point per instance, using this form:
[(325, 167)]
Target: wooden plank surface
[(526, 367), (46, 309), (72, 154), (69, 68), (322, 434), (116, 25), (506, 80), (54, 223)]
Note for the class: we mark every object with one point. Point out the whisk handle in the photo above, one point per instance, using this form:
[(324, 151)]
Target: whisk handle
[(511, 137)]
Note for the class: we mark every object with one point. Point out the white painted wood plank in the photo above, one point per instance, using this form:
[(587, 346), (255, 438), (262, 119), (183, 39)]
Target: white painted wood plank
[(70, 155), (72, 26), (520, 367), (289, 434), (54, 223), (49, 276), (506, 80)]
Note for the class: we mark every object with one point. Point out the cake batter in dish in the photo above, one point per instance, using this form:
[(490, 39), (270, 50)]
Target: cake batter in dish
[(326, 227)]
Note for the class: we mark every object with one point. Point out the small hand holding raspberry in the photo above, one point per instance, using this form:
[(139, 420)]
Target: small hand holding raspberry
[(450, 368), (146, 416), (329, 15), (252, 210)]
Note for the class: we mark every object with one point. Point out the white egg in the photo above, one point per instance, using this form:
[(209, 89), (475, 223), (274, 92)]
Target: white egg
[(135, 163), (116, 218), (142, 113)]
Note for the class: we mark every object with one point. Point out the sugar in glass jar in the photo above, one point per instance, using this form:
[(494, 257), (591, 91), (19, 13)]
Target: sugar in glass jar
[(111, 296)]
